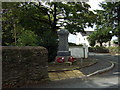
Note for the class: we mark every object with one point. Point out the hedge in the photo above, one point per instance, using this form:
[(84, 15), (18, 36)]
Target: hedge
[(105, 49), (98, 49), (114, 49)]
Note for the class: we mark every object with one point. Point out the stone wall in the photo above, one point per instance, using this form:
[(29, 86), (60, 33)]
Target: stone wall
[(21, 65)]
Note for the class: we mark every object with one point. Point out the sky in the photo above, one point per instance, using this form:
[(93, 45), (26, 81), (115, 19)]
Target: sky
[(94, 5)]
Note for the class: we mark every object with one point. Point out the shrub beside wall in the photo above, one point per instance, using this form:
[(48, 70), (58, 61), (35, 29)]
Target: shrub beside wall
[(105, 50), (114, 49), (21, 65), (98, 49)]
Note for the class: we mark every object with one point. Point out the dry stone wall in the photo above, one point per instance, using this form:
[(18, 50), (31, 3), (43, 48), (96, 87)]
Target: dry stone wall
[(21, 65)]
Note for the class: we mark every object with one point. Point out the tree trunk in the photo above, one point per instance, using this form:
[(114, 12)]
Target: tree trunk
[(15, 34), (119, 25), (100, 44), (109, 43)]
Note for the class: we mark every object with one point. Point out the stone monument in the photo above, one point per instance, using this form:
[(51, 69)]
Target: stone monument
[(63, 48)]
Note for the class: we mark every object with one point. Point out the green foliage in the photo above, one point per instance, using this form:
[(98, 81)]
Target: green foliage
[(76, 16), (48, 40), (100, 35), (107, 21), (102, 50), (11, 27), (36, 24), (27, 38), (110, 17), (92, 38), (98, 49), (114, 49)]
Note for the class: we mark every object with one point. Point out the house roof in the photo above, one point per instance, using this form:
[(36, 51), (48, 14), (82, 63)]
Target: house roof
[(87, 33)]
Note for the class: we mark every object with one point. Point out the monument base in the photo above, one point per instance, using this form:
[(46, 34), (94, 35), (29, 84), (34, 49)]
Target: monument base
[(63, 53), (66, 62)]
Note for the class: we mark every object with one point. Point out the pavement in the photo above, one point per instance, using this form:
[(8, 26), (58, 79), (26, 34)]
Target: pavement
[(100, 67)]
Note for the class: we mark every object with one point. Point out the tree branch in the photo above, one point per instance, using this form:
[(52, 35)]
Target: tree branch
[(41, 20)]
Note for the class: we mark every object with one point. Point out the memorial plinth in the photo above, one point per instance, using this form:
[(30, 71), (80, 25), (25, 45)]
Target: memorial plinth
[(63, 48)]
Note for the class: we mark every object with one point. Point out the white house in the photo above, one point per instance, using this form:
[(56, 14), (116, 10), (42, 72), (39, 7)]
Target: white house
[(79, 38)]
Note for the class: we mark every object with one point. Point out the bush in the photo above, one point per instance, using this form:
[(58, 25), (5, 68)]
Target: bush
[(98, 49), (91, 49), (114, 49), (27, 38), (49, 41), (102, 50)]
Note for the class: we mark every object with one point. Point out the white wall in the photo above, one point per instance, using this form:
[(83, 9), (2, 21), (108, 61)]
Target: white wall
[(78, 39), (72, 38), (79, 52)]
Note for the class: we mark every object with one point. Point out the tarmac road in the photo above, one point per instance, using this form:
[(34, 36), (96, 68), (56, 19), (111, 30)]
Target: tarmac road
[(105, 80)]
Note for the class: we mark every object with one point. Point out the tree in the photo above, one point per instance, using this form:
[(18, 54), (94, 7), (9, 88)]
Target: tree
[(107, 21), (111, 16), (11, 27), (92, 38), (27, 38), (44, 20), (100, 36), (73, 16)]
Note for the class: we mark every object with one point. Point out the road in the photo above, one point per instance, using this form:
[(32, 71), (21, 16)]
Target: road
[(105, 80)]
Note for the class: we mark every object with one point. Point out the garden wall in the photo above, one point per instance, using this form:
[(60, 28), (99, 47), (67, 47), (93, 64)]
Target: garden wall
[(22, 65)]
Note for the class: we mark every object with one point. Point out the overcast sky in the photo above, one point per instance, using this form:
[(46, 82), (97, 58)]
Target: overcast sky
[(94, 4)]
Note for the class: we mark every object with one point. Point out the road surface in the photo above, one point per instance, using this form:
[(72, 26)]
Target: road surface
[(104, 80)]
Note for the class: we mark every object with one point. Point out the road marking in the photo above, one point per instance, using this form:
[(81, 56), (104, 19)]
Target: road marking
[(116, 73)]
